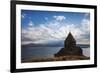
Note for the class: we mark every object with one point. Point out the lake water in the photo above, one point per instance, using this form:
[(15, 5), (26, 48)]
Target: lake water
[(31, 52)]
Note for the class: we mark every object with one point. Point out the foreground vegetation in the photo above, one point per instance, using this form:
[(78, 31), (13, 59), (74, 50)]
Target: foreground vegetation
[(61, 58)]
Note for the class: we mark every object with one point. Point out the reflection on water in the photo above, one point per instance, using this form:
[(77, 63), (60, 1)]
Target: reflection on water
[(31, 52)]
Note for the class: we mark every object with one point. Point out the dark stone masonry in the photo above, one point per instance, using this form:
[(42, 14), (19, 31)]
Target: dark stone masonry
[(70, 48)]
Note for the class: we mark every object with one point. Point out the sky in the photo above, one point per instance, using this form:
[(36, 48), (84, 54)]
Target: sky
[(51, 26)]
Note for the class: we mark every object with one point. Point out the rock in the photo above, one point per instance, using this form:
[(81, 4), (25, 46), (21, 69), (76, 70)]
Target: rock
[(70, 47)]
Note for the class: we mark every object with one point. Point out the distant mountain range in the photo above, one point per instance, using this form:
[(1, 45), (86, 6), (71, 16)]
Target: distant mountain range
[(51, 45), (42, 45)]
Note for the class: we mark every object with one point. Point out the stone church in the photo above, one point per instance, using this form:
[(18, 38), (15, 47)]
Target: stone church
[(70, 47)]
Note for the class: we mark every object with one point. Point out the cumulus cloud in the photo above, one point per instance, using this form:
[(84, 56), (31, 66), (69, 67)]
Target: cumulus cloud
[(59, 18), (54, 31), (31, 24), (86, 14), (23, 16)]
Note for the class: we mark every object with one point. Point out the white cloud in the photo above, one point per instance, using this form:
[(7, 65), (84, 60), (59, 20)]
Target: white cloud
[(59, 18), (85, 25), (54, 31), (86, 14), (31, 24), (23, 16)]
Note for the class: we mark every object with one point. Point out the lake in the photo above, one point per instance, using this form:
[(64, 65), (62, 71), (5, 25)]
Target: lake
[(30, 52)]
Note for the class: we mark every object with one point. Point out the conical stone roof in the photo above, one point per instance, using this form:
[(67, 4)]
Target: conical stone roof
[(70, 37)]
